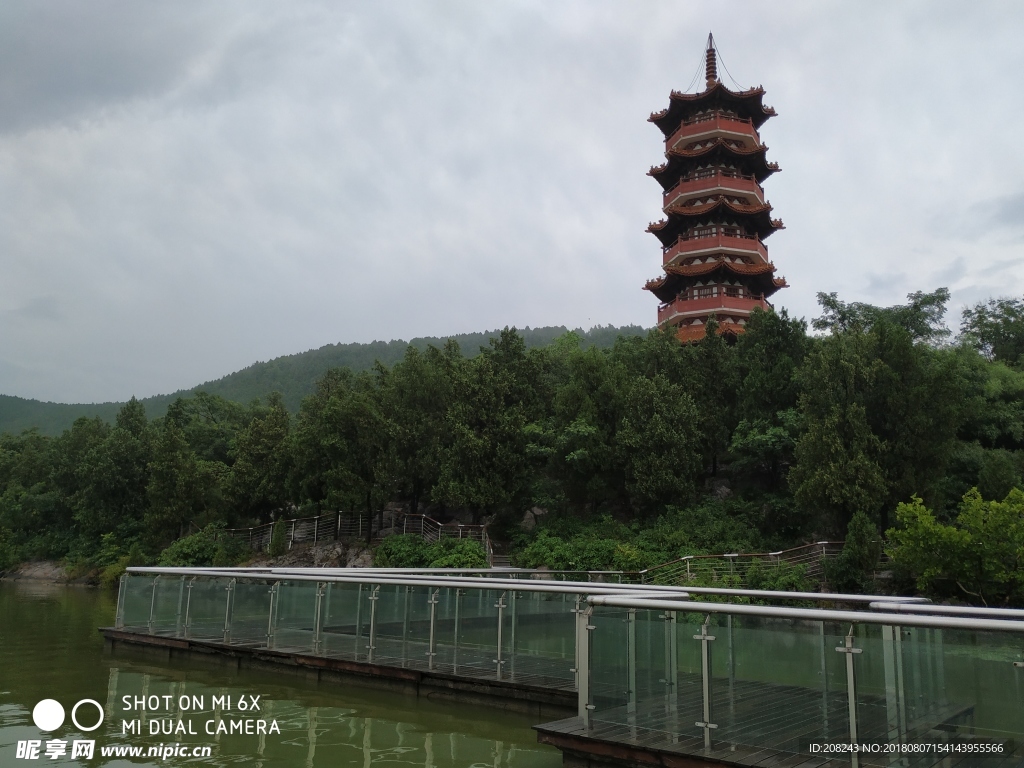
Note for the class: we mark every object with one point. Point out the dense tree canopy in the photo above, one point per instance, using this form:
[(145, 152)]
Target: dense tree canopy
[(790, 434)]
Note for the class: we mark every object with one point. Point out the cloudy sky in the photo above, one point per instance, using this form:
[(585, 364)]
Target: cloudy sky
[(189, 187)]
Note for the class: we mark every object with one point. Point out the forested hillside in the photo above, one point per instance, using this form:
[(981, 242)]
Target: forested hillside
[(880, 428), (293, 376)]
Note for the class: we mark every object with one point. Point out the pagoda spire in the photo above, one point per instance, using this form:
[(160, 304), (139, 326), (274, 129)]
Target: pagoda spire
[(711, 62)]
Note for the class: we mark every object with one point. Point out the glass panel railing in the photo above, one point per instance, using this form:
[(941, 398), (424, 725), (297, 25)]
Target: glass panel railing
[(205, 608), (759, 688), (477, 640), (168, 605), (345, 617), (136, 601), (296, 613), (251, 605), (538, 638)]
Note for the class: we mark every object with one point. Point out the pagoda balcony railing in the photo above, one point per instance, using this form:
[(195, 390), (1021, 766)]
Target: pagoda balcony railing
[(696, 307), (711, 123), (701, 241), (715, 182)]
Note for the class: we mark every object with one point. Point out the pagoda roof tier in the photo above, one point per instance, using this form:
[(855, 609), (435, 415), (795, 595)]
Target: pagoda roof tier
[(759, 278), (688, 310), (682, 106), (689, 333), (678, 162), (756, 219)]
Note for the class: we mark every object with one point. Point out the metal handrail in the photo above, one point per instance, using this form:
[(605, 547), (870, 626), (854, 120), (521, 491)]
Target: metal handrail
[(813, 614), (446, 577), (951, 610)]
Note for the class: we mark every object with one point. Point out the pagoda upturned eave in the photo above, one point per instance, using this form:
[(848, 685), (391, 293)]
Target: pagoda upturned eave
[(679, 161), (679, 218), (762, 283), (746, 103)]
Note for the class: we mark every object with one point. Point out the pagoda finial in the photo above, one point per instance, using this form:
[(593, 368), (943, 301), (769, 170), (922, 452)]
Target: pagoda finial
[(711, 62)]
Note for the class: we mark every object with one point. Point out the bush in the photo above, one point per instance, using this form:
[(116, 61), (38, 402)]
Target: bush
[(230, 552), (8, 554), (853, 569), (566, 543), (111, 574), (404, 551), (278, 545), (457, 553), (410, 551), (195, 550)]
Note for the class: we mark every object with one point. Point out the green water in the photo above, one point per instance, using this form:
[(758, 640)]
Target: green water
[(50, 649)]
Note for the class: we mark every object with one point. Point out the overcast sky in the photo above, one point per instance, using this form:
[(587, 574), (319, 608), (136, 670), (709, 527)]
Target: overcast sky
[(189, 187)]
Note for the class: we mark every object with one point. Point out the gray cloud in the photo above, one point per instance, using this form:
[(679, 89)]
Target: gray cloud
[(195, 186)]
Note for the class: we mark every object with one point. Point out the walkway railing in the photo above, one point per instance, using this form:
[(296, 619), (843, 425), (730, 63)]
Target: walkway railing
[(333, 525), (651, 669)]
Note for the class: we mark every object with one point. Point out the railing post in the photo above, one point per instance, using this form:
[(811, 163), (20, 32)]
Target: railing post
[(851, 693), (705, 673), (119, 613), (824, 678), (152, 605), (271, 614), (318, 618), (458, 630), (631, 664), (431, 645), (405, 625), (188, 607), (500, 605), (583, 629), (229, 606), (371, 646), (359, 623), (512, 640), (177, 615)]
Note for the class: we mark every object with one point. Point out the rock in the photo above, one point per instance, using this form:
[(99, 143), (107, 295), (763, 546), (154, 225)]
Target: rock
[(359, 557), (529, 522), (719, 487)]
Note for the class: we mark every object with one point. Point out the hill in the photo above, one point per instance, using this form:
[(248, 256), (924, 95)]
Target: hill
[(292, 375)]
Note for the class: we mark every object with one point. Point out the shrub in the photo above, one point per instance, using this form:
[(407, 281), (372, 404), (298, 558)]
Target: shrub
[(457, 553), (853, 569), (8, 554), (404, 551), (195, 550), (277, 540), (410, 551)]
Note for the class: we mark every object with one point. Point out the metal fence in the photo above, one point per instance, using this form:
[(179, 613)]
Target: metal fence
[(334, 525)]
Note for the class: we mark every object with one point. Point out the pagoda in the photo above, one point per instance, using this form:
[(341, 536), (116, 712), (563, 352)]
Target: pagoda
[(716, 216)]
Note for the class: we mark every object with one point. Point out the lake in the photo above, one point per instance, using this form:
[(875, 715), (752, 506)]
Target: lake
[(207, 714)]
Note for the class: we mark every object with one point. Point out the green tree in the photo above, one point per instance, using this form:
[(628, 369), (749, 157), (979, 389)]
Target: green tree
[(258, 482), (415, 396), (980, 557), (837, 471), (996, 329), (659, 443), (181, 488), (484, 457), (922, 316), (113, 477)]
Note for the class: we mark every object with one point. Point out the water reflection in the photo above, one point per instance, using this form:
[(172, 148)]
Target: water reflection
[(49, 648)]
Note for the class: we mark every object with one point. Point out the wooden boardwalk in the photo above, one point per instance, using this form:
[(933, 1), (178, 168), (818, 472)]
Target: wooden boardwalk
[(758, 725)]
